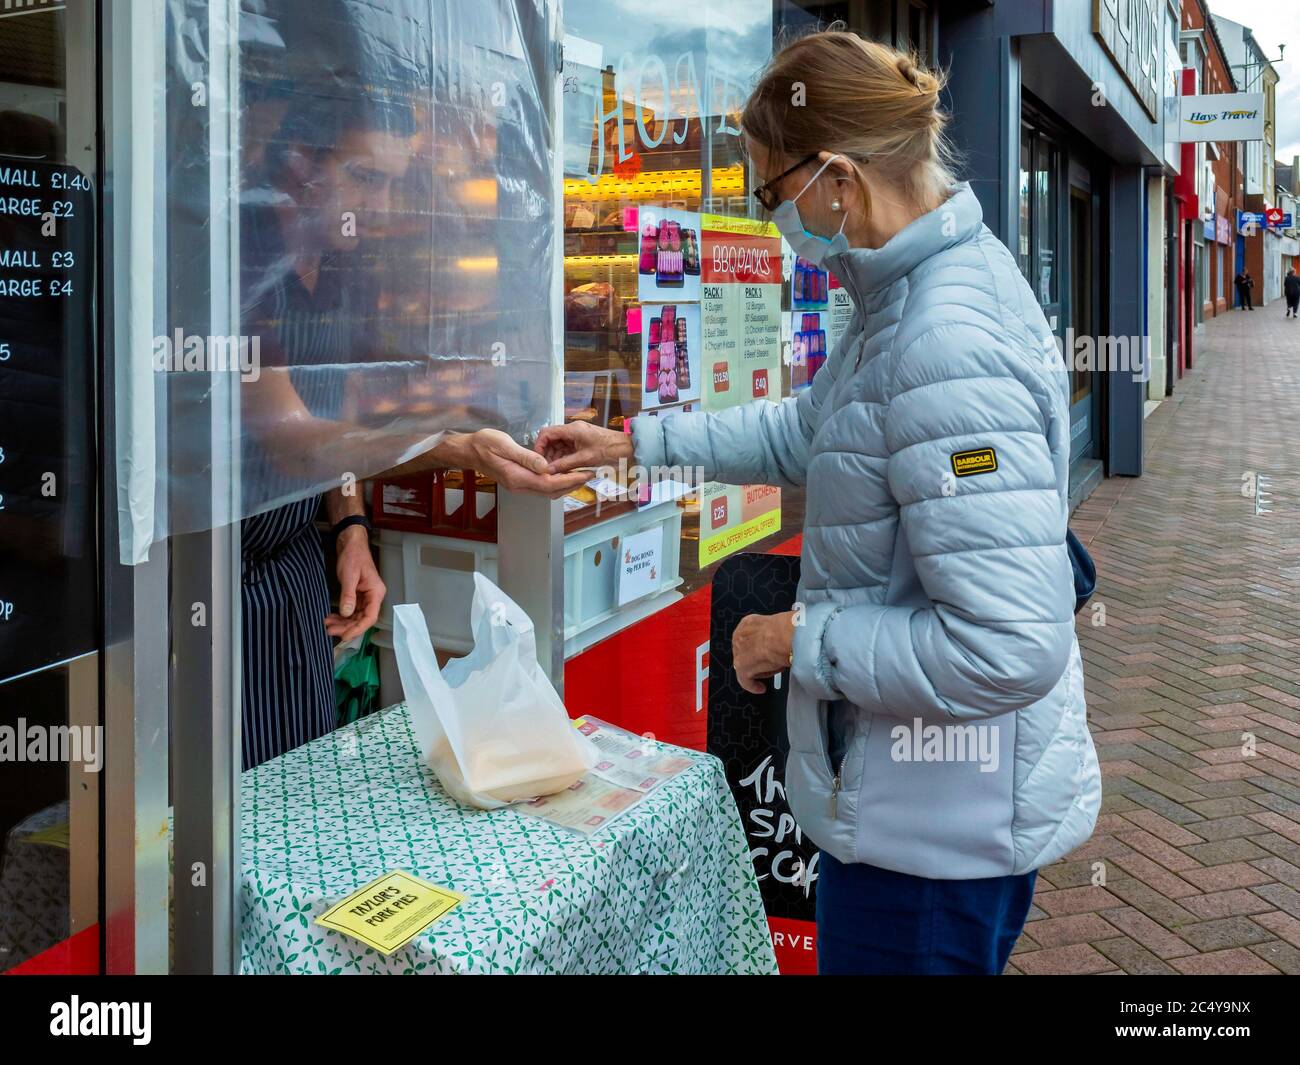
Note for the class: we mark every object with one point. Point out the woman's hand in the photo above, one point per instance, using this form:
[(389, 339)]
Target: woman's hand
[(494, 453), (579, 445), (762, 646)]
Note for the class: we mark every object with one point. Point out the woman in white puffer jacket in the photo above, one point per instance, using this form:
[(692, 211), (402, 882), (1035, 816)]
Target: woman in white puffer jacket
[(939, 752)]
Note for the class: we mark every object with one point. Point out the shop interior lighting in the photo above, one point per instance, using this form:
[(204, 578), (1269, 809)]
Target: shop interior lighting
[(479, 190), (654, 184), (600, 260)]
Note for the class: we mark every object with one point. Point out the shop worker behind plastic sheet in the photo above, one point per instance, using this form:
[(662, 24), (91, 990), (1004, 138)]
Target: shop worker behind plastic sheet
[(308, 298), (936, 590)]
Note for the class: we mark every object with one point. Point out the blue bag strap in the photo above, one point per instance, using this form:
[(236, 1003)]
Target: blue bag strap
[(1085, 570)]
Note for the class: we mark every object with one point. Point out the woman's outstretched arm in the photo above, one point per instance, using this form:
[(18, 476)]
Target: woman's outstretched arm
[(757, 443)]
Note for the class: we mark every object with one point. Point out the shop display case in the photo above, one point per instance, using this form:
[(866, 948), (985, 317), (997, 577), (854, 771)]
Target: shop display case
[(655, 185)]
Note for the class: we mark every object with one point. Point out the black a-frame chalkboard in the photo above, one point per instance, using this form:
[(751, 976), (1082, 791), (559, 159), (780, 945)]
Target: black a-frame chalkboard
[(748, 733)]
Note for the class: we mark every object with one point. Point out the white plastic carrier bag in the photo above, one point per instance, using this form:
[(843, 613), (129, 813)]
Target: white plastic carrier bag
[(490, 724)]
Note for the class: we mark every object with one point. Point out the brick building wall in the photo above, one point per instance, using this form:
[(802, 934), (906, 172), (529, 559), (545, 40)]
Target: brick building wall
[(1220, 259)]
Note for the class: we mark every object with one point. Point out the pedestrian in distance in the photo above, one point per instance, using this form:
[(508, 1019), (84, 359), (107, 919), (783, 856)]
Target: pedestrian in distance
[(1244, 283), (1291, 289)]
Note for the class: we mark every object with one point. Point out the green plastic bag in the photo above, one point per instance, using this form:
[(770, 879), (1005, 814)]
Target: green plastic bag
[(356, 682)]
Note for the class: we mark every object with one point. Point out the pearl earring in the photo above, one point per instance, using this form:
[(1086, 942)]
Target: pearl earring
[(835, 205)]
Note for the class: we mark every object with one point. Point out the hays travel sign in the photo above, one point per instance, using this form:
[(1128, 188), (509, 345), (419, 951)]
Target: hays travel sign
[(1228, 116)]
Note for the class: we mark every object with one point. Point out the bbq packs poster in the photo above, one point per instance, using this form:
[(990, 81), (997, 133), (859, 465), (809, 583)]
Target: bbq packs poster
[(710, 294), (740, 301)]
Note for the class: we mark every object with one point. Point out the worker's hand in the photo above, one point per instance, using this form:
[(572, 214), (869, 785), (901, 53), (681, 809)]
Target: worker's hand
[(580, 444), (761, 647), (361, 591), (492, 452)]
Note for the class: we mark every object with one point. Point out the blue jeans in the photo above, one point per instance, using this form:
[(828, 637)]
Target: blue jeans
[(874, 921)]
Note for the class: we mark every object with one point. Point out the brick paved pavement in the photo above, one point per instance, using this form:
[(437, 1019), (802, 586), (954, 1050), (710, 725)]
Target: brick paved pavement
[(1199, 841)]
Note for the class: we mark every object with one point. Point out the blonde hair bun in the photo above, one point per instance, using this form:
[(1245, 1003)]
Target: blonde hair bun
[(833, 91), (919, 78)]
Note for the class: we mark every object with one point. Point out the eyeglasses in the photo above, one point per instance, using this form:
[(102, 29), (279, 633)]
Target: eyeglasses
[(765, 194)]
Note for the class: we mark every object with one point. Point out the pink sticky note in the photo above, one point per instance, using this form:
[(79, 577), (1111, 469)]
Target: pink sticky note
[(629, 219), (634, 319)]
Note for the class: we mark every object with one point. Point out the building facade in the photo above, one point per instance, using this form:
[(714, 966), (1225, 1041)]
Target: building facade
[(1256, 248), (1058, 109), (1218, 173), (1288, 245), (496, 164)]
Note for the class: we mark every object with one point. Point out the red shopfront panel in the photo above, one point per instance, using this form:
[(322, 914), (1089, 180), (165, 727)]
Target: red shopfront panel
[(77, 956), (795, 943), (651, 677)]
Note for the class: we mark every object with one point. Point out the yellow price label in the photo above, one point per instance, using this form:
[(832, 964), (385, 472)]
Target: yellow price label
[(389, 912)]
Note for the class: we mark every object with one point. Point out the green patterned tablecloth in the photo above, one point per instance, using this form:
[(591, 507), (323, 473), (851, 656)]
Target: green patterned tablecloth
[(668, 888)]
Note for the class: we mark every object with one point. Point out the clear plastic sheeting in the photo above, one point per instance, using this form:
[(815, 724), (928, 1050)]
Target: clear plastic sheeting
[(359, 220)]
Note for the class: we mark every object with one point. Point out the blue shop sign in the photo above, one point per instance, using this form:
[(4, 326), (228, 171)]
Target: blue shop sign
[(1256, 220)]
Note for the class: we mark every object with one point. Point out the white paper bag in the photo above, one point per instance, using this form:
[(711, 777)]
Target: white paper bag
[(490, 724)]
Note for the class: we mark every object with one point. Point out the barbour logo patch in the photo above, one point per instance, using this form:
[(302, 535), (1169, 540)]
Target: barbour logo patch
[(969, 463)]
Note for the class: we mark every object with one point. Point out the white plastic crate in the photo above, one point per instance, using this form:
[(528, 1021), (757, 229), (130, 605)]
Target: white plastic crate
[(591, 574), (438, 573)]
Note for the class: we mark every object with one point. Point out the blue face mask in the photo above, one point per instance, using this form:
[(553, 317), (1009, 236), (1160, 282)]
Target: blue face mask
[(808, 245)]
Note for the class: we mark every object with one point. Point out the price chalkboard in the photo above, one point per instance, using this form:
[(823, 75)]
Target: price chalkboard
[(748, 734), (48, 565)]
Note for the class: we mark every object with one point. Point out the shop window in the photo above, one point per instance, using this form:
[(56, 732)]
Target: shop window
[(1046, 278), (378, 269), (1082, 317), (911, 26), (50, 853), (904, 24), (1203, 273), (1038, 242), (1023, 241), (796, 17), (656, 201)]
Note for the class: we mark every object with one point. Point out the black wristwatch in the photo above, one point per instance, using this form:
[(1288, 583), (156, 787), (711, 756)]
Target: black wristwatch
[(348, 522)]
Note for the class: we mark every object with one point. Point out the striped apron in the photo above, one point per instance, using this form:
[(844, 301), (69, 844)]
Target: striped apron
[(288, 668), (288, 685)]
